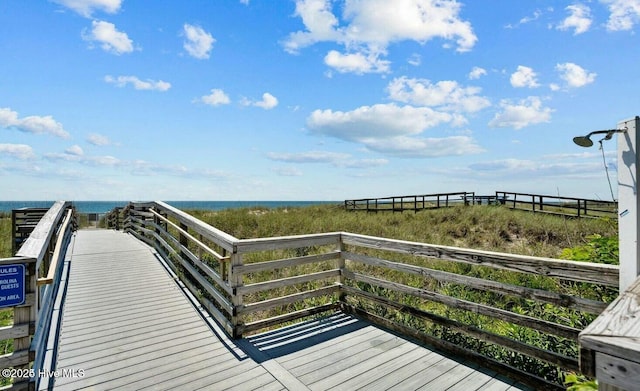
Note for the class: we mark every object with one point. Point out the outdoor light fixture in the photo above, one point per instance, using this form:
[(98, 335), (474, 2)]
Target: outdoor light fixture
[(585, 141)]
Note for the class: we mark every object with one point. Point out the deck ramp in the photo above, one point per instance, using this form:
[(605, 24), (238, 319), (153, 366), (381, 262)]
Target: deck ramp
[(128, 324)]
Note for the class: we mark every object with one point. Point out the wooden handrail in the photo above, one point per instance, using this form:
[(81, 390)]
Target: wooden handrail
[(49, 278), (36, 246), (191, 237)]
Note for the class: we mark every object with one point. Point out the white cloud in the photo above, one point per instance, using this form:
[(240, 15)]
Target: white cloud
[(151, 85), (378, 121), (287, 171), (308, 157), (519, 115), (415, 59), (579, 19), (18, 151), (98, 139), (391, 129), (366, 28), (358, 63), (447, 95), (217, 97), (95, 161), (336, 159), (87, 7), (32, 124), (524, 77), (527, 19), (268, 101), (476, 73), (574, 75), (362, 163), (414, 147), (320, 22), (519, 168), (75, 150), (624, 14), (198, 42), (111, 40)]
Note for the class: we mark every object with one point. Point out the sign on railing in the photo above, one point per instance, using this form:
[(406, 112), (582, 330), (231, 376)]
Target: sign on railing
[(12, 287)]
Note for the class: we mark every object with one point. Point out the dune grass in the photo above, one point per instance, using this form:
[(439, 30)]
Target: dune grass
[(492, 228)]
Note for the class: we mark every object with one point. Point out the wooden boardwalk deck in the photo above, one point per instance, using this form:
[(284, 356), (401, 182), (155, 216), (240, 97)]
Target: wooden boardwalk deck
[(127, 324)]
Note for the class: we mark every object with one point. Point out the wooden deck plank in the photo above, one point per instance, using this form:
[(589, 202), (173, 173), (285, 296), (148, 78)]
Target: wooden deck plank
[(347, 342), (498, 384), (404, 372), (476, 380), (388, 369), (140, 334), (420, 378), (456, 375), (89, 351), (341, 358), (376, 360), (151, 329)]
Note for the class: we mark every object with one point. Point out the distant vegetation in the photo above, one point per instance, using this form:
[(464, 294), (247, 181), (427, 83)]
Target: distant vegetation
[(5, 235), (492, 228), (6, 316)]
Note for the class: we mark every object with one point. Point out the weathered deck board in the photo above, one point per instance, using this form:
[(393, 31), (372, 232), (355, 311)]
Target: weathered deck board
[(128, 325)]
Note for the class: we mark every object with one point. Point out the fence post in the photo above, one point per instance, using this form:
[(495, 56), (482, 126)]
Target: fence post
[(27, 314), (342, 265), (579, 208), (235, 280)]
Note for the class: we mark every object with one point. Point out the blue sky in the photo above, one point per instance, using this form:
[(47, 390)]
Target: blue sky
[(310, 99)]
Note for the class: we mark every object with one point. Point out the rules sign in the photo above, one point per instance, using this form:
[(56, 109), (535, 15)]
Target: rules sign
[(11, 285)]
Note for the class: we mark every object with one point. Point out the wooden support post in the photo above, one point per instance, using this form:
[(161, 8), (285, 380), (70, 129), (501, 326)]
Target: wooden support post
[(533, 203), (342, 265), (235, 279), (579, 208), (29, 315)]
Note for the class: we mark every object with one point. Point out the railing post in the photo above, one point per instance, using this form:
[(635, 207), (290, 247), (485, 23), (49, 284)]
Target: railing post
[(342, 265), (533, 202), (579, 208), (27, 314), (235, 280)]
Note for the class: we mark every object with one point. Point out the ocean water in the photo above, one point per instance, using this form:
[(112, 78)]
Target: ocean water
[(106, 206)]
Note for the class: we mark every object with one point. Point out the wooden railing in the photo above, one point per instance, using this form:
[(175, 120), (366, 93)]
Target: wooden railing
[(465, 301), (409, 202), (569, 206), (42, 255)]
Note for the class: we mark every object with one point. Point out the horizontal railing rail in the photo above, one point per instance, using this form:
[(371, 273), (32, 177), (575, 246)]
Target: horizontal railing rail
[(42, 254), (412, 287), (511, 311), (410, 202), (571, 206)]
